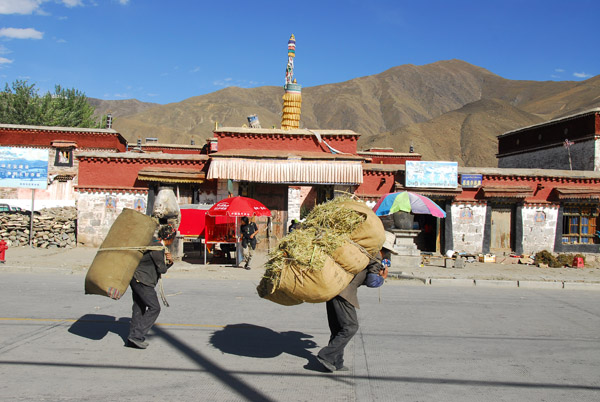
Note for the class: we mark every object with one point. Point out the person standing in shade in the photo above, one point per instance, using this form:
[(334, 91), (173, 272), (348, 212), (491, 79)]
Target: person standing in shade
[(146, 307), (341, 310), (249, 231)]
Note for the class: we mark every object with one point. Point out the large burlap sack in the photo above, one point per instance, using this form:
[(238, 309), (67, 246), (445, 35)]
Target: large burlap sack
[(112, 270), (319, 284), (370, 234), (316, 285), (268, 289), (280, 297), (350, 258), (365, 241)]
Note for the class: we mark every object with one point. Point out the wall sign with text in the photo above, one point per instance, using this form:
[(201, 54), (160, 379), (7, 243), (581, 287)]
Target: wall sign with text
[(23, 167)]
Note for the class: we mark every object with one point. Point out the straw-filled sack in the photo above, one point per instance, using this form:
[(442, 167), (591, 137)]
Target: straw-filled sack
[(119, 254), (316, 262)]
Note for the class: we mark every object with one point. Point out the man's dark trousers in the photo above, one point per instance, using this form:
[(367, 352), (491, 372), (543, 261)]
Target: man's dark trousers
[(343, 324), (146, 309)]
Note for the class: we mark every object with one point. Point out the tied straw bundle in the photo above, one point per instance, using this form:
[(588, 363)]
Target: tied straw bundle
[(325, 229)]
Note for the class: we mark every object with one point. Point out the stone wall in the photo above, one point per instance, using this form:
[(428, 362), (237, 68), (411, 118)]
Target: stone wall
[(468, 222), (97, 211), (52, 227), (583, 157), (539, 228)]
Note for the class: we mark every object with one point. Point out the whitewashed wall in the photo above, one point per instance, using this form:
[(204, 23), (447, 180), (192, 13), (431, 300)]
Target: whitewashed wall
[(96, 212), (539, 228), (468, 222), (294, 203)]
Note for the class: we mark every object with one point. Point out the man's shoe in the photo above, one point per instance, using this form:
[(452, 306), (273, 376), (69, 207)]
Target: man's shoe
[(328, 366), (136, 343), (247, 267), (343, 368)]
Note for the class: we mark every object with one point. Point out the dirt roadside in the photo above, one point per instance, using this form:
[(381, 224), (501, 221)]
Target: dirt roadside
[(77, 260)]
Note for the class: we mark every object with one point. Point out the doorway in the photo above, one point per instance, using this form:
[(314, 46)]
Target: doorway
[(501, 230)]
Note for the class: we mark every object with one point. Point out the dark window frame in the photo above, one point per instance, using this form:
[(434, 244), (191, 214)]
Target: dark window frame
[(58, 161)]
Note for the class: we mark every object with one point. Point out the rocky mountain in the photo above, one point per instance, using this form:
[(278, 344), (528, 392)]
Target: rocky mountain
[(448, 110)]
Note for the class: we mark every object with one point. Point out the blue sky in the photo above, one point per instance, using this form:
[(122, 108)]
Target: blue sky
[(166, 51)]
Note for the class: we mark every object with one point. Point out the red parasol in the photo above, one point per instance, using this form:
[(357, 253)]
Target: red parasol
[(238, 206)]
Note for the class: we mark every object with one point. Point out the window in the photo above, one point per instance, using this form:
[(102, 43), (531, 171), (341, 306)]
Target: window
[(64, 157), (579, 224)]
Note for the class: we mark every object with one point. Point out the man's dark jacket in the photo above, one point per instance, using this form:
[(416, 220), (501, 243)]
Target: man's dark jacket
[(151, 266), (350, 292)]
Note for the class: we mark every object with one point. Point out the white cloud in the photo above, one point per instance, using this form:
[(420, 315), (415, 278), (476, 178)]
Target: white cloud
[(223, 83), (559, 70), (34, 6), (226, 82), (72, 3), (195, 70), (582, 75), (19, 6), (21, 33), (4, 60), (4, 50), (124, 2)]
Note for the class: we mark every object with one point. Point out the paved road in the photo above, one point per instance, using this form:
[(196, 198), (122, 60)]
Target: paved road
[(219, 342)]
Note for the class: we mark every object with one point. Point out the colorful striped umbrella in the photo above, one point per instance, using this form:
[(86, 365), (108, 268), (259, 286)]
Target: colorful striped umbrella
[(407, 202)]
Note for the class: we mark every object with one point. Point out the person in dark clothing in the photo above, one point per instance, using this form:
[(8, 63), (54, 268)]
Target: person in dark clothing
[(146, 307), (249, 231), (295, 225), (341, 310)]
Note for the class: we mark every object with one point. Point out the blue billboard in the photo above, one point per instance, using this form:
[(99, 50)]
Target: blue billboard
[(23, 167), (431, 174)]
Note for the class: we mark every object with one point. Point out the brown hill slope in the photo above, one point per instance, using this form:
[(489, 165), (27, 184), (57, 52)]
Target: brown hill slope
[(467, 135), (384, 108), (119, 108)]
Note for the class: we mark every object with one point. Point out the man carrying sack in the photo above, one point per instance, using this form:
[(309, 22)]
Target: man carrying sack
[(341, 310), (146, 307)]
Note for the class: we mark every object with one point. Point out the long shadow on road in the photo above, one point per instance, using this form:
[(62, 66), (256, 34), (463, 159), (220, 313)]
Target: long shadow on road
[(97, 326), (260, 342), (245, 390)]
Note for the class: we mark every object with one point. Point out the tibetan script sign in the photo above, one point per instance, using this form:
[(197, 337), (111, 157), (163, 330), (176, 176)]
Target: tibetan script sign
[(471, 180)]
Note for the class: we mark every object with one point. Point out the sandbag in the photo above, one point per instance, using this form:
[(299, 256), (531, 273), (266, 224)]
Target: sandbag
[(280, 297), (112, 270), (370, 234), (350, 258), (316, 285), (294, 275)]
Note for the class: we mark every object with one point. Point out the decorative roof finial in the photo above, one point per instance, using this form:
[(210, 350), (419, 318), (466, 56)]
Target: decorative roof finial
[(292, 98)]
